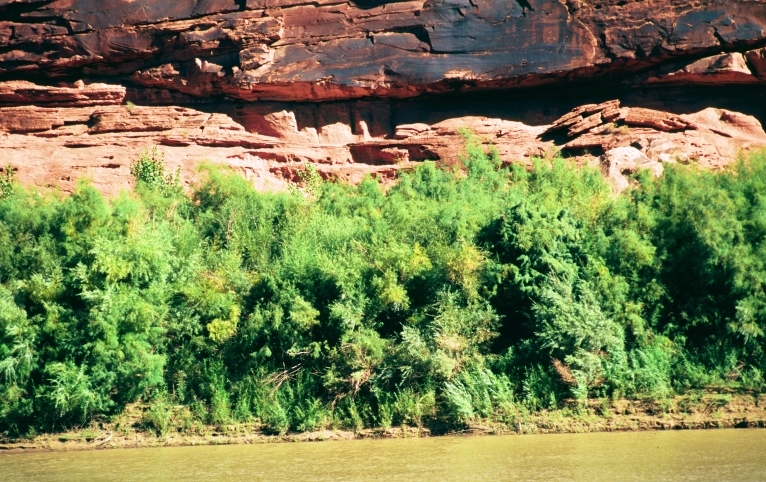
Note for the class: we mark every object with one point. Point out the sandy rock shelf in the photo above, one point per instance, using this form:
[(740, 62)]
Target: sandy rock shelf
[(55, 146)]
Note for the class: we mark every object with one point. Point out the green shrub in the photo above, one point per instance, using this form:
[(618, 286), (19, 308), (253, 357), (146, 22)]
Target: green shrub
[(7, 179), (158, 417), (461, 294), (149, 169), (412, 408), (276, 419)]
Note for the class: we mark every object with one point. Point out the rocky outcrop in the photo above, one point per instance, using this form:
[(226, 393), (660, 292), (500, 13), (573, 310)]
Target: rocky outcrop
[(712, 137), (335, 49), (79, 94), (55, 146), (730, 68), (618, 162)]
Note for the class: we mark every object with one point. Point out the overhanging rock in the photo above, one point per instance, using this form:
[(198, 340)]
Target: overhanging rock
[(328, 49)]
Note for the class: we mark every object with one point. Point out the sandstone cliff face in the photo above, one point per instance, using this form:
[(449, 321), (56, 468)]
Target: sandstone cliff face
[(56, 146), (374, 86), (333, 49)]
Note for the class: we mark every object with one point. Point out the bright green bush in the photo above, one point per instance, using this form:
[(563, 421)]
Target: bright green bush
[(6, 181), (149, 169), (458, 295)]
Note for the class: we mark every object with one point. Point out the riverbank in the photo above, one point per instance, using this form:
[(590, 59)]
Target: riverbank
[(695, 411)]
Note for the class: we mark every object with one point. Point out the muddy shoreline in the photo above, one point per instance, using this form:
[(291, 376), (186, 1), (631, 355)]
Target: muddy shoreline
[(710, 411)]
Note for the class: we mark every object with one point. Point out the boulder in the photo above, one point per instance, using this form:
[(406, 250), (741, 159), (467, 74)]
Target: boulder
[(727, 68), (618, 162)]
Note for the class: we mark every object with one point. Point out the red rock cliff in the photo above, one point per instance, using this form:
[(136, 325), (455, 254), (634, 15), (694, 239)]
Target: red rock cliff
[(332, 49), (372, 86)]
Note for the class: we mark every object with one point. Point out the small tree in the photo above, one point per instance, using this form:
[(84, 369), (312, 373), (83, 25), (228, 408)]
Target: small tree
[(310, 179), (7, 179), (149, 168)]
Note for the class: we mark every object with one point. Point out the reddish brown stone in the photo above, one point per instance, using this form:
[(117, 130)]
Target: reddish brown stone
[(294, 50), (141, 119), (268, 144), (586, 117), (728, 68), (637, 116), (585, 125), (26, 93), (756, 59)]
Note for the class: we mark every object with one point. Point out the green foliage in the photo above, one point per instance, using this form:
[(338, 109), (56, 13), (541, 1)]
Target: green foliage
[(276, 419), (459, 295), (6, 182), (414, 408), (310, 179), (158, 417), (148, 169)]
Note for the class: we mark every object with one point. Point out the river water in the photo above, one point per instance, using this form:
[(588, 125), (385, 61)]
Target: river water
[(715, 455)]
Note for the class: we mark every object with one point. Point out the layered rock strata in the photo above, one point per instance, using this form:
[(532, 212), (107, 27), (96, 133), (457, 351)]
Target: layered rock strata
[(334, 49), (84, 136)]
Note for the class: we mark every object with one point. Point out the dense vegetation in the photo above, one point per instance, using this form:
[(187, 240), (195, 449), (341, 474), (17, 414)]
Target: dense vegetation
[(460, 294)]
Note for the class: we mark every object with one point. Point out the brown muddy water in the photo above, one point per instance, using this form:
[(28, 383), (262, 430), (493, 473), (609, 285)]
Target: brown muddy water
[(716, 455)]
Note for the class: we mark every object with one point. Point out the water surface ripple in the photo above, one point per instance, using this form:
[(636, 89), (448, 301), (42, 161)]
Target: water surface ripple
[(717, 455)]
